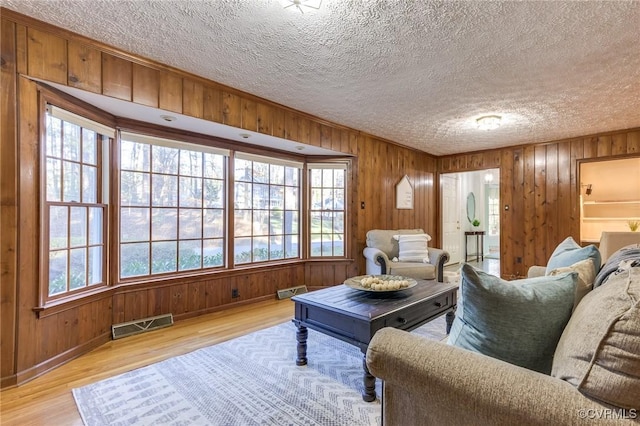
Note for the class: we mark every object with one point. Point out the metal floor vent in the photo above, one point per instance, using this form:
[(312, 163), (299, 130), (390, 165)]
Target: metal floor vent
[(290, 292), (130, 328)]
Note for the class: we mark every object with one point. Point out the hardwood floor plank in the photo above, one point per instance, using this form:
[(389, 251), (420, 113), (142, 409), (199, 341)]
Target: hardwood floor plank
[(47, 400)]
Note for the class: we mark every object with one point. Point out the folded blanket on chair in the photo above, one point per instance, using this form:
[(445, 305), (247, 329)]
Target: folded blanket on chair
[(625, 258)]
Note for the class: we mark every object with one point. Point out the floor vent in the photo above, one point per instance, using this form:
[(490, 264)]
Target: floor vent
[(130, 328), (285, 293)]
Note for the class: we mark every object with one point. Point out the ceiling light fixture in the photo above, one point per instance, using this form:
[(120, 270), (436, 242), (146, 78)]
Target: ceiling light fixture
[(168, 117), (298, 4), (489, 122)]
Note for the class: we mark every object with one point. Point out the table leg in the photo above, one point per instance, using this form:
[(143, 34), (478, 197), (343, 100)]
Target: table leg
[(301, 336), (449, 317), (369, 394)]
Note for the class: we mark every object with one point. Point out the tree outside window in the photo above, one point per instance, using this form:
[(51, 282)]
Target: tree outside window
[(327, 210)]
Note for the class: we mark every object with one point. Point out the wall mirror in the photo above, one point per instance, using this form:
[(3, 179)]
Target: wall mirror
[(471, 207)]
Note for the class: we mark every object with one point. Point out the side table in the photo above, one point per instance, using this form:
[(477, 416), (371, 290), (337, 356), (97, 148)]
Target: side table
[(479, 244)]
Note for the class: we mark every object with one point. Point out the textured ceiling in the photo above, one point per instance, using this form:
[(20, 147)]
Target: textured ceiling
[(415, 72)]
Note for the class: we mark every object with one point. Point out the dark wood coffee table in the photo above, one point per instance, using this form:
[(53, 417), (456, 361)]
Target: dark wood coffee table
[(354, 316)]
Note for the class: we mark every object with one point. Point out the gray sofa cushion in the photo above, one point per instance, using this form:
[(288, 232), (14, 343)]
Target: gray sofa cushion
[(519, 322), (419, 271), (599, 351)]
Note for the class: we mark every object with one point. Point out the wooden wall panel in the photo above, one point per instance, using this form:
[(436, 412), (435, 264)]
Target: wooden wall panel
[(193, 98), (8, 202), (231, 109), (170, 92), (85, 69), (249, 111), (47, 56), (146, 85), (212, 108), (264, 115), (117, 77)]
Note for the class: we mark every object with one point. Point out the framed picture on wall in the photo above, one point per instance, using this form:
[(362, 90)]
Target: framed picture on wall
[(404, 194)]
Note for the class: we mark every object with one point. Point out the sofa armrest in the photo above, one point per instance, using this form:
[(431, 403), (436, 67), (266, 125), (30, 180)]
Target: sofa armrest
[(378, 257), (536, 271), (430, 382), (438, 258)]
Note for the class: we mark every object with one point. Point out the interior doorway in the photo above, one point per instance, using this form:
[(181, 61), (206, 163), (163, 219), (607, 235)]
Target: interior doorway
[(471, 204)]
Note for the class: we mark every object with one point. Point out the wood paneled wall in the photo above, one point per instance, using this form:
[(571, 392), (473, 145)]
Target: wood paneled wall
[(32, 343), (540, 185)]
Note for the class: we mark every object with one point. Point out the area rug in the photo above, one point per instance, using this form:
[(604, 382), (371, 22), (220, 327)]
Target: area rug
[(250, 380)]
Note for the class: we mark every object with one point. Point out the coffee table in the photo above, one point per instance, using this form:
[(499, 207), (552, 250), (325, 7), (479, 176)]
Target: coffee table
[(354, 316)]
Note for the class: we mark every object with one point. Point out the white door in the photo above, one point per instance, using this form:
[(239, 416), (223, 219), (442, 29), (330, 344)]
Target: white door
[(450, 190)]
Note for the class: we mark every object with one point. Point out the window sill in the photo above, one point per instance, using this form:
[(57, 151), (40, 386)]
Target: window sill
[(56, 306)]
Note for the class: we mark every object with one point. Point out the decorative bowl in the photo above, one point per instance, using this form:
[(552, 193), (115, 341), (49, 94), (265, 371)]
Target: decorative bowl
[(388, 283)]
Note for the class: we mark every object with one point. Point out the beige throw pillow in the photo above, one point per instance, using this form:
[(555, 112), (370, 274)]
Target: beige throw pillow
[(413, 247), (586, 275), (599, 351)]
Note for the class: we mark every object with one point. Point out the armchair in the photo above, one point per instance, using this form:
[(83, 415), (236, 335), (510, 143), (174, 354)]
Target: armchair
[(382, 248)]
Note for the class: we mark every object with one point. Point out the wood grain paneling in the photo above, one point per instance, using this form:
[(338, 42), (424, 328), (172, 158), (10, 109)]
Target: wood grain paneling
[(85, 69), (47, 56), (193, 98), (117, 77), (170, 92), (8, 202), (146, 85)]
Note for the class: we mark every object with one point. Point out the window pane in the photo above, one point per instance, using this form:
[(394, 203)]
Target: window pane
[(213, 193), (276, 175), (291, 246), (213, 253), (276, 223), (70, 141), (165, 190), (338, 222), (243, 222), (327, 244), (190, 192), (54, 179), (134, 189), (316, 199), (190, 223), (78, 272), (164, 160), (260, 172), (213, 222), (338, 179), (260, 222), (190, 163), (95, 265), (134, 259), (243, 171), (57, 272), (70, 181), (276, 201), (89, 147), (190, 255), (243, 196), (164, 224), (89, 184), (54, 137), (291, 198), (134, 224), (78, 226), (338, 245), (327, 177), (58, 227), (214, 166), (316, 244), (242, 252), (291, 176), (260, 196), (134, 156), (260, 249), (164, 257), (291, 222), (276, 248)]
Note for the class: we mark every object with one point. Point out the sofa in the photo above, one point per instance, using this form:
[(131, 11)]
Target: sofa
[(593, 375), (403, 252)]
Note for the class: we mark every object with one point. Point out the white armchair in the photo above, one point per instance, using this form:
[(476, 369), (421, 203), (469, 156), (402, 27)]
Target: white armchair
[(382, 248)]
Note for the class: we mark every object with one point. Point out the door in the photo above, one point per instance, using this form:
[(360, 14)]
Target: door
[(450, 190)]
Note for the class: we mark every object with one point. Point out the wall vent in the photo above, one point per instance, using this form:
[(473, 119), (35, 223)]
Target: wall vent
[(285, 293), (130, 328)]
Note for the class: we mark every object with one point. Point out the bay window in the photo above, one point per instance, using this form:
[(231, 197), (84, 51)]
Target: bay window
[(327, 209)]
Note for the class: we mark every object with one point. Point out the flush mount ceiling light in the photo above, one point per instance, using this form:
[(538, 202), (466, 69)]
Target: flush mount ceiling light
[(299, 4), (489, 122)]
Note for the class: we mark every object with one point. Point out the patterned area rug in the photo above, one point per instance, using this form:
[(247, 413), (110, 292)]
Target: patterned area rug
[(251, 380)]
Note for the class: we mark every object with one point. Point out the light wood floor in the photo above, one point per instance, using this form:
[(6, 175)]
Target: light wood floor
[(47, 400)]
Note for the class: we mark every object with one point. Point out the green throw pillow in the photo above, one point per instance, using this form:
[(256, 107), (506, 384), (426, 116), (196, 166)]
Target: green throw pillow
[(569, 252), (519, 322)]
